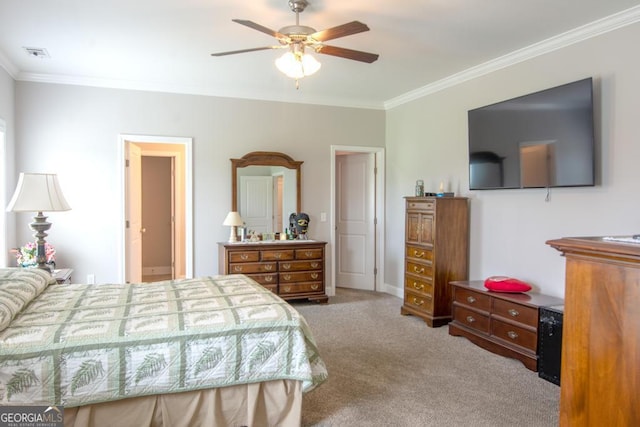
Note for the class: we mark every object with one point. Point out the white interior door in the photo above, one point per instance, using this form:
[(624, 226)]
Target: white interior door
[(256, 203), (355, 215), (134, 229)]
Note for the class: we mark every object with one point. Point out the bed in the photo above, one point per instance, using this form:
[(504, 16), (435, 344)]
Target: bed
[(218, 350)]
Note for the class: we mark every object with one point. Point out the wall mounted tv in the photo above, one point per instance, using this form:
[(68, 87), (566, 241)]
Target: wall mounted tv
[(541, 140)]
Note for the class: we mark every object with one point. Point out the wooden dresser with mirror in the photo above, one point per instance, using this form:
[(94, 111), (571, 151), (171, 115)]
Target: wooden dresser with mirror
[(265, 190), (291, 269)]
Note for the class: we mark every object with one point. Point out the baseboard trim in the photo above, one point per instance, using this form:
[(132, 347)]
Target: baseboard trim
[(156, 271)]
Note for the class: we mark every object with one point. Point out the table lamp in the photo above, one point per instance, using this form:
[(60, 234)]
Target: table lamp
[(234, 220), (38, 192)]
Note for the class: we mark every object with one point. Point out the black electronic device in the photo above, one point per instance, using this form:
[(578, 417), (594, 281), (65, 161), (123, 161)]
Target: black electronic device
[(550, 343), (540, 140)]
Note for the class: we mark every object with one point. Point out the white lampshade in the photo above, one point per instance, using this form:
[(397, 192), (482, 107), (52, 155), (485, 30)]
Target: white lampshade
[(38, 192), (233, 218), (297, 66)]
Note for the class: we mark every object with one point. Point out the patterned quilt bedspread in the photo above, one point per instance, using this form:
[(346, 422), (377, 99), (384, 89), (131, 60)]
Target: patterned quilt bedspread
[(79, 344)]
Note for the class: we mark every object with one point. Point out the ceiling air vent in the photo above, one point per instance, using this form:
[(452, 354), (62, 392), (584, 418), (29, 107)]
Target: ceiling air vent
[(37, 52)]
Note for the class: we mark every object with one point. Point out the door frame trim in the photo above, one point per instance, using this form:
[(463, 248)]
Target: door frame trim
[(379, 212), (188, 196)]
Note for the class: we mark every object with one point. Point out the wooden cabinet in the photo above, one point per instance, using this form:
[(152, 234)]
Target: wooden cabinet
[(600, 367), (503, 323), (436, 252), (290, 269)]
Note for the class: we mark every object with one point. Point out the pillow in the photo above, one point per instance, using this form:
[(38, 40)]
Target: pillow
[(506, 284), (18, 287)]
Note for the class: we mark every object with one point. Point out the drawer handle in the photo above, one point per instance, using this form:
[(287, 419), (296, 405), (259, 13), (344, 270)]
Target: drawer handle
[(314, 275), (512, 335), (277, 255), (308, 254), (268, 267), (244, 256), (315, 287), (237, 268), (471, 300), (415, 269), (287, 288), (418, 255), (286, 266), (268, 279), (471, 319), (315, 265), (514, 312), (418, 302), (418, 287), (287, 277)]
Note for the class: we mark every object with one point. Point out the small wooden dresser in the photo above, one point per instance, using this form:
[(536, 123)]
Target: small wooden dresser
[(436, 252), (503, 323), (290, 269)]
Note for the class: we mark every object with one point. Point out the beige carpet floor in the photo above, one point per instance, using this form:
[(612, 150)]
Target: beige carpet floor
[(386, 369)]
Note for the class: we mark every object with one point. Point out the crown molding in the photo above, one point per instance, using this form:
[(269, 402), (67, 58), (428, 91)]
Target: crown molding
[(192, 90), (593, 29), (8, 66)]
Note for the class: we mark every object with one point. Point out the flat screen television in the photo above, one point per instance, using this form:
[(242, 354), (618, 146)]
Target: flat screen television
[(540, 140)]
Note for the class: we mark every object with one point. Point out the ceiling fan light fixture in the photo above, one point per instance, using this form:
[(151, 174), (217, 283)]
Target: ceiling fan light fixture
[(297, 65)]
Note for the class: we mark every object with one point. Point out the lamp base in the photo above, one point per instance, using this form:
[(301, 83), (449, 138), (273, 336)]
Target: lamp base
[(40, 226), (233, 237)]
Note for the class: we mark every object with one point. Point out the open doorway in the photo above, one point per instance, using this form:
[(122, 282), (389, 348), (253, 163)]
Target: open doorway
[(357, 217), (159, 167)]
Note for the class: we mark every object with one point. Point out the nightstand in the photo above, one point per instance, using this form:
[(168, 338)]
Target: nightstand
[(62, 275)]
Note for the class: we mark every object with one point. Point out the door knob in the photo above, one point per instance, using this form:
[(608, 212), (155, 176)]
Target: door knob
[(143, 230)]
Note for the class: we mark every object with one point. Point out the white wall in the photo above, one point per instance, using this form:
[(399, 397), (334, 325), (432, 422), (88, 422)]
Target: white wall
[(73, 131), (427, 139), (7, 107)]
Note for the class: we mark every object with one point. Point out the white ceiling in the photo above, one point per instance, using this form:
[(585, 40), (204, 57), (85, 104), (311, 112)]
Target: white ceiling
[(165, 45)]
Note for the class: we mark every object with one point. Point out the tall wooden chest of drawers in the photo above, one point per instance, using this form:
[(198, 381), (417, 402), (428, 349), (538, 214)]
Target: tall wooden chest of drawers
[(503, 323), (290, 269), (436, 253)]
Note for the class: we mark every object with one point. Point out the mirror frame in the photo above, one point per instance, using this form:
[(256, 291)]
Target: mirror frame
[(264, 158)]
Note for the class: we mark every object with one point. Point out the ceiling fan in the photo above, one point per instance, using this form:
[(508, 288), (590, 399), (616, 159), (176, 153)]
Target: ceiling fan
[(296, 63)]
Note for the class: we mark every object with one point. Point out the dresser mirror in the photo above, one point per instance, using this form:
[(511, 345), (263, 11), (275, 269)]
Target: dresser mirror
[(265, 190)]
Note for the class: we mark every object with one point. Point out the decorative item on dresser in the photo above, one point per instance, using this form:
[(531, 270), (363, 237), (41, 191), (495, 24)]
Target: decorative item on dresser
[(600, 366), (436, 252), (292, 269), (503, 323)]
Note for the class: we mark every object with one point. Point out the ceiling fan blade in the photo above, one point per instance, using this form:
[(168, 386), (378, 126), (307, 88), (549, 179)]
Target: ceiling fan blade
[(233, 52), (260, 28), (356, 55), (343, 30)]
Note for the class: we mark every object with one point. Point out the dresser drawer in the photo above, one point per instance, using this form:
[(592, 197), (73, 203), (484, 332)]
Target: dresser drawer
[(303, 276), (304, 287), (516, 312), (314, 253), (422, 205), (424, 286), (422, 270), (473, 299), (265, 279), (252, 267), (514, 334), (419, 253), (277, 255), (419, 301), (300, 265), (470, 318), (249, 256)]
